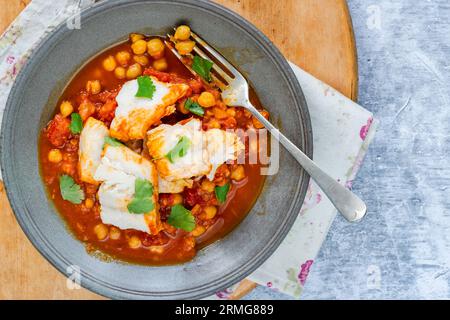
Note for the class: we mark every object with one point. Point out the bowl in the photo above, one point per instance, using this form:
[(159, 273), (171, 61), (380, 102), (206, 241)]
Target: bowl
[(32, 101)]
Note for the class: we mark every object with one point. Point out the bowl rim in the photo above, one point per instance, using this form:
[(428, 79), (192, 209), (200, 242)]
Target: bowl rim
[(45, 248)]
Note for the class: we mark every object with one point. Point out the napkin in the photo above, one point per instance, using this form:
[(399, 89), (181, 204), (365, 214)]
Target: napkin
[(342, 132)]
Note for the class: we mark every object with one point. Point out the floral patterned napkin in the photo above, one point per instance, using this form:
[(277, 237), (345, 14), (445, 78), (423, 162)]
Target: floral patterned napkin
[(342, 131)]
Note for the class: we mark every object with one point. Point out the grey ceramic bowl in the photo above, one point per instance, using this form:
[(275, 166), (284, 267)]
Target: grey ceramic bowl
[(33, 99)]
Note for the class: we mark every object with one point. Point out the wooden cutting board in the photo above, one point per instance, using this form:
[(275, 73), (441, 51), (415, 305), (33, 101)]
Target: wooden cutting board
[(315, 34)]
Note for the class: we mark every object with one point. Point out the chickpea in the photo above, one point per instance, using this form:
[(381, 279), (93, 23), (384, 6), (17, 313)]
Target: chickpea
[(220, 113), (213, 124), (123, 57), (160, 64), (139, 47), (135, 37), (210, 212), (55, 156), (207, 186), (114, 233), (134, 242), (238, 173), (142, 60), (206, 99), (182, 33), (196, 209), (109, 64), (177, 199), (199, 230), (101, 231), (134, 71), (231, 112), (155, 48), (120, 73), (89, 203), (66, 108), (185, 47), (93, 86), (255, 121)]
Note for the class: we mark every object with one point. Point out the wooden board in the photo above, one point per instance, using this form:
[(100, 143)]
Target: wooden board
[(315, 34)]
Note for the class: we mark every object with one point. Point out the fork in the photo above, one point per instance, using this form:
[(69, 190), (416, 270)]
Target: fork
[(235, 92)]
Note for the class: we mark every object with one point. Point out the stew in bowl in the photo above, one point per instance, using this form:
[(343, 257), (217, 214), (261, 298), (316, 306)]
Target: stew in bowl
[(135, 120)]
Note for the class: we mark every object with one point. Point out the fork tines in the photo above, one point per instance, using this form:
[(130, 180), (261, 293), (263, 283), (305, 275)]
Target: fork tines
[(223, 72)]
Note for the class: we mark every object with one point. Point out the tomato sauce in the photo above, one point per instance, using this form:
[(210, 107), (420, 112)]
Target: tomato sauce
[(171, 245)]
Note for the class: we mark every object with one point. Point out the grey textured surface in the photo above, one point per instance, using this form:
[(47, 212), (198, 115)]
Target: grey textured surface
[(402, 248)]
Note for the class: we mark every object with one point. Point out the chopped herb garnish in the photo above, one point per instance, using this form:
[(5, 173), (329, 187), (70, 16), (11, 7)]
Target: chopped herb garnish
[(140, 206), (76, 123), (113, 142), (143, 188), (146, 87), (221, 192), (142, 201), (181, 218), (179, 150), (202, 67), (194, 107), (70, 191)]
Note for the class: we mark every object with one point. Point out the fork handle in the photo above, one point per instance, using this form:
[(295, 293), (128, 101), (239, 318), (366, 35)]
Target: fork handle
[(345, 201)]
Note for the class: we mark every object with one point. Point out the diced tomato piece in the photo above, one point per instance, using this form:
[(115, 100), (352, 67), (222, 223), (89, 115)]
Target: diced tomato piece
[(154, 240), (86, 109), (192, 197), (105, 95), (58, 131), (161, 76), (196, 85), (229, 123), (222, 175), (164, 76), (107, 110)]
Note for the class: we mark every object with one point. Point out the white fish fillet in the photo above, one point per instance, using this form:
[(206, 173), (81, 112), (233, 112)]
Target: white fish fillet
[(135, 115), (118, 171), (92, 139), (207, 151)]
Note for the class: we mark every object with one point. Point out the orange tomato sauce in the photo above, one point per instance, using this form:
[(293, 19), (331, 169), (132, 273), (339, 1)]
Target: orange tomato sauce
[(171, 245)]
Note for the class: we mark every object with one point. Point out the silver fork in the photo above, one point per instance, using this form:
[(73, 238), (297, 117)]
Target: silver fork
[(235, 92)]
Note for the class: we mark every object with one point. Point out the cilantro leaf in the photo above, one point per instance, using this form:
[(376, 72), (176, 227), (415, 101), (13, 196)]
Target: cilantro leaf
[(142, 201), (70, 191), (181, 218), (76, 123), (140, 205), (194, 107), (146, 87), (179, 150), (113, 142), (143, 188), (221, 192), (202, 67)]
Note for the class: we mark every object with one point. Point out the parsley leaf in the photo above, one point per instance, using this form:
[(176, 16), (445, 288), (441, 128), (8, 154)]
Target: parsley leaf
[(221, 192), (179, 150), (146, 87), (143, 188), (194, 107), (181, 218), (202, 67), (142, 201), (113, 142), (76, 124), (70, 191), (140, 205)]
